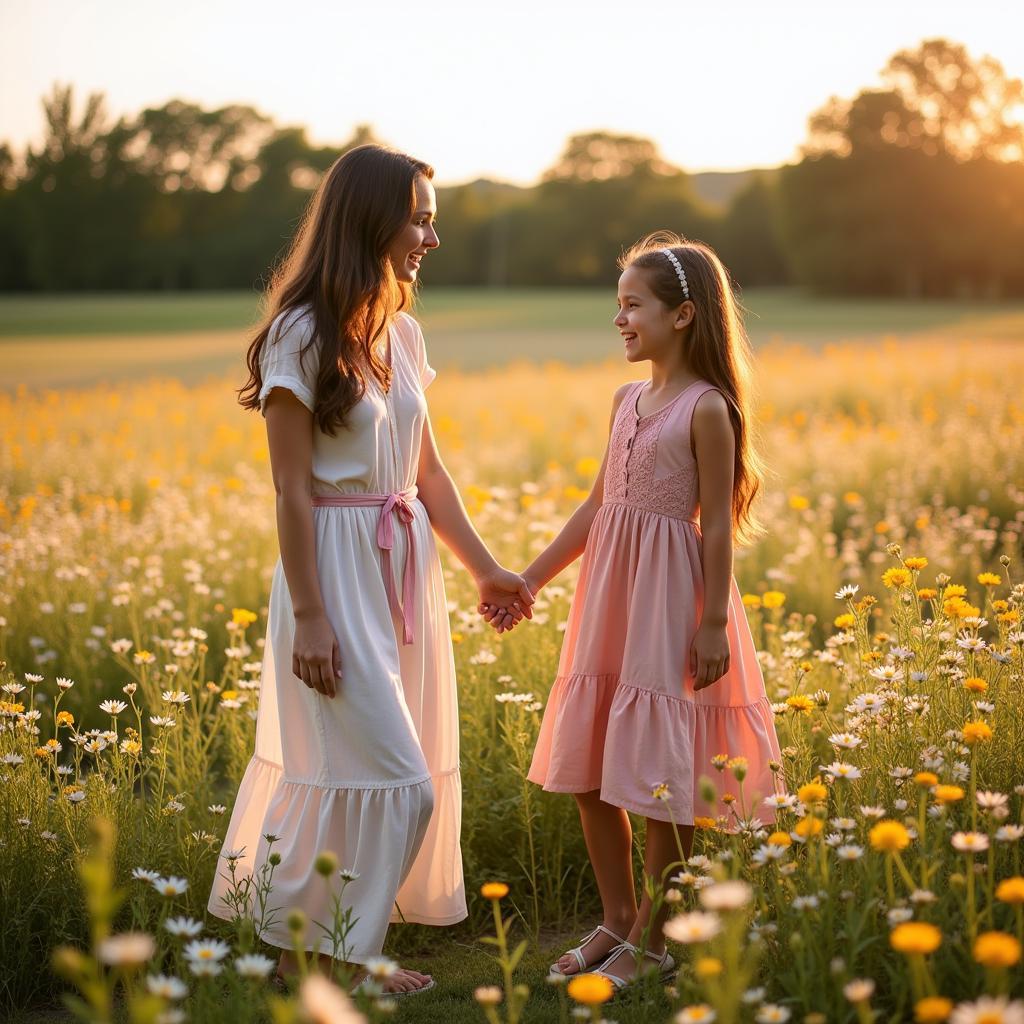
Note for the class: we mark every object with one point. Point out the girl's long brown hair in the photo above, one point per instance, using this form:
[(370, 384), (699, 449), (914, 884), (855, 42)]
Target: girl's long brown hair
[(717, 348), (337, 268)]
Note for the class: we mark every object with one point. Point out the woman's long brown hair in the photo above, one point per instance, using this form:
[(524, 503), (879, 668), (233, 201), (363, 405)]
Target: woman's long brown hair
[(717, 349), (337, 268)]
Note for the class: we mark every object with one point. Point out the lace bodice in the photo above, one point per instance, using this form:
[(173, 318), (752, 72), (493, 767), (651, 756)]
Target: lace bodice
[(650, 463)]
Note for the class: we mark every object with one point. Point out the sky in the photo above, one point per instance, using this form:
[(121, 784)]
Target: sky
[(482, 89)]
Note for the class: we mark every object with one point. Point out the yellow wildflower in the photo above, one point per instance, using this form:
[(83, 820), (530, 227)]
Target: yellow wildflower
[(996, 949), (927, 594), (989, 579), (948, 794), (974, 732), (774, 599), (591, 989), (780, 839), (1011, 890), (243, 617), (494, 890), (845, 621), (975, 684), (932, 1009), (751, 601), (889, 836), (65, 718), (915, 937), (799, 702), (926, 779), (809, 826), (916, 563), (707, 967), (812, 793), (894, 579)]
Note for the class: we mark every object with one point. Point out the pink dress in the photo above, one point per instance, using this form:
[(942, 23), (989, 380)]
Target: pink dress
[(623, 716)]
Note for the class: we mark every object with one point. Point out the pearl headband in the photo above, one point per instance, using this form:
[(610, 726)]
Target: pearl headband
[(680, 273)]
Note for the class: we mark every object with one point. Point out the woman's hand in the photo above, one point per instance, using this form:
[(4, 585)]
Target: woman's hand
[(316, 659), (505, 598), (709, 655)]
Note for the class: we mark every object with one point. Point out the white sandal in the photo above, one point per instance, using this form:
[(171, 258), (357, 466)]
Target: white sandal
[(577, 952), (666, 966)]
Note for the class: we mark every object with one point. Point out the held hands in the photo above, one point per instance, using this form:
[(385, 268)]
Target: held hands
[(709, 655), (316, 659), (505, 599)]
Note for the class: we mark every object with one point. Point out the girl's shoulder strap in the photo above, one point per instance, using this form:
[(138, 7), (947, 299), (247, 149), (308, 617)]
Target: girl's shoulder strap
[(629, 397)]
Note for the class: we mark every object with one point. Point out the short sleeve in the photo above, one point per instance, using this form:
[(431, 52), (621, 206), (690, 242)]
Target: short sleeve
[(426, 372), (284, 365)]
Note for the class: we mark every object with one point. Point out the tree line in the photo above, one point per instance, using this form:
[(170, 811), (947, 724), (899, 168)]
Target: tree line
[(912, 189)]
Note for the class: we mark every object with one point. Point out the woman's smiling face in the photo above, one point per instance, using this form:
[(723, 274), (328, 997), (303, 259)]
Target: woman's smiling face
[(648, 327), (418, 236)]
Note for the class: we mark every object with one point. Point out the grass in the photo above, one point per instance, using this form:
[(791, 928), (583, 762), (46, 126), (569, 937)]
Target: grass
[(145, 509), (81, 340)]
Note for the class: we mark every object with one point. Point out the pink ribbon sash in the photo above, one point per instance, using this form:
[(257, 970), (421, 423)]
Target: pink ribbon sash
[(400, 504)]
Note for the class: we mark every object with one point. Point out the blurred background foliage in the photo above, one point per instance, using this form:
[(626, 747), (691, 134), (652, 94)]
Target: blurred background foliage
[(912, 189)]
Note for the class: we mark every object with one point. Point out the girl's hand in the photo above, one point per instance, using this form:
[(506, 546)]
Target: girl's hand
[(709, 655), (504, 599), (316, 659)]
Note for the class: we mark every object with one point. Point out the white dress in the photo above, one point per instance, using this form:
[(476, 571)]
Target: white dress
[(373, 774)]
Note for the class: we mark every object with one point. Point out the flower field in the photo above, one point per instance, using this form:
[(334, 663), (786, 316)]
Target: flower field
[(136, 548)]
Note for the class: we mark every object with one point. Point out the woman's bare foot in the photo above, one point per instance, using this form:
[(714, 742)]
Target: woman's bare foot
[(402, 980)]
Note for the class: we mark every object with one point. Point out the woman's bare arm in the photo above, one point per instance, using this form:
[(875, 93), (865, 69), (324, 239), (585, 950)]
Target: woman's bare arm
[(315, 656), (450, 520)]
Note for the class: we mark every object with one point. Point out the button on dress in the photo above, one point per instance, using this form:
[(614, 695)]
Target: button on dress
[(372, 774)]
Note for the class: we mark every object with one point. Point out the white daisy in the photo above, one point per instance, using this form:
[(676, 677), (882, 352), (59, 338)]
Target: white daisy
[(699, 1013), (772, 1013), (696, 926), (172, 886), (188, 927), (989, 1010), (166, 986), (206, 949), (205, 968), (1009, 833), (970, 842), (731, 895), (127, 949), (845, 740), (849, 851), (859, 990), (253, 965)]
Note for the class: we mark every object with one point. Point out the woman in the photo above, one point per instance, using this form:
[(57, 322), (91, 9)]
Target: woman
[(357, 736)]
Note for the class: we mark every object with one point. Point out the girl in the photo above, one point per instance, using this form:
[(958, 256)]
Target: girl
[(357, 736), (658, 672)]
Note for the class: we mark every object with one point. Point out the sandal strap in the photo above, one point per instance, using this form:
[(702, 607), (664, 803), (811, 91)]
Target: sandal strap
[(577, 951), (623, 947)]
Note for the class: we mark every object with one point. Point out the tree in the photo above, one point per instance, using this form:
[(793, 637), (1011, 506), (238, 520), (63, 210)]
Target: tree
[(599, 156), (938, 100)]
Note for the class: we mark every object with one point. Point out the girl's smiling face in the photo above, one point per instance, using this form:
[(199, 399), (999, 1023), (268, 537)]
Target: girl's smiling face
[(649, 328)]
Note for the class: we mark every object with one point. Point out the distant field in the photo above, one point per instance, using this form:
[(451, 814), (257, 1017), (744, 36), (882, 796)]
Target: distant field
[(71, 340)]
